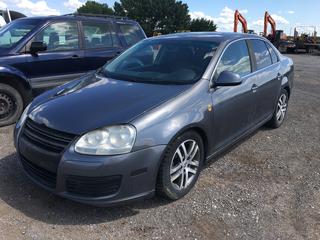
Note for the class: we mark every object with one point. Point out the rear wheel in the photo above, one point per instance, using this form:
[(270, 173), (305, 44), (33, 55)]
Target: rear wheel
[(11, 105), (280, 111), (181, 166)]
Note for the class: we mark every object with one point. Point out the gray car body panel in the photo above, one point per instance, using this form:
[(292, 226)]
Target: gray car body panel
[(222, 115)]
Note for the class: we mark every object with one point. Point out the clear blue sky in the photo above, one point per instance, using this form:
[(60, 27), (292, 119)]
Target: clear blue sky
[(286, 13)]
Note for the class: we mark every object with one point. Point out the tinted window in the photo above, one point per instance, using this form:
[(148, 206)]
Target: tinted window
[(131, 33), (261, 53), (273, 54), (99, 35), (12, 33), (60, 36), (163, 61), (235, 59)]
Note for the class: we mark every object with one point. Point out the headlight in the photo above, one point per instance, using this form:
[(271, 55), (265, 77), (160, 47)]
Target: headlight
[(24, 116), (107, 141)]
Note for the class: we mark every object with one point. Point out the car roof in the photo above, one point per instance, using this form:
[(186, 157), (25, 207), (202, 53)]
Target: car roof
[(209, 36), (81, 17)]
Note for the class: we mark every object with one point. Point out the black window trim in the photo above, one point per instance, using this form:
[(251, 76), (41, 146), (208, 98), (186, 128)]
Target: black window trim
[(28, 44), (100, 48)]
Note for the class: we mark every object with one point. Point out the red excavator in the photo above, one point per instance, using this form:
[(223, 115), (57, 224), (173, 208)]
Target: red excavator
[(239, 18), (277, 37)]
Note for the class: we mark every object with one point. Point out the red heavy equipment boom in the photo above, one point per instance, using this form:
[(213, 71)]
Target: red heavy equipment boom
[(269, 19), (239, 18)]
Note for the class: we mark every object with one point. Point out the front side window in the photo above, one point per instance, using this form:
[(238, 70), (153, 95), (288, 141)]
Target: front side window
[(261, 53), (131, 33), (12, 33), (163, 61), (99, 35), (235, 59), (60, 36)]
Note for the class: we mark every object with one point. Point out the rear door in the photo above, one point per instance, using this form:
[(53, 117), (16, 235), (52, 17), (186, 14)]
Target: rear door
[(63, 59), (267, 79), (101, 43), (233, 105)]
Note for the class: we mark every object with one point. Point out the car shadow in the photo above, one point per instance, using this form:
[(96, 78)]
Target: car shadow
[(20, 193)]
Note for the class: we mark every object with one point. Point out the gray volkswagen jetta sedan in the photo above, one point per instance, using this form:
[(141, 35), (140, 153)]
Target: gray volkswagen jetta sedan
[(148, 121)]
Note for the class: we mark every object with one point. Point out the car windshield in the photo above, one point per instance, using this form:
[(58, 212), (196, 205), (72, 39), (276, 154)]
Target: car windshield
[(12, 33), (163, 61)]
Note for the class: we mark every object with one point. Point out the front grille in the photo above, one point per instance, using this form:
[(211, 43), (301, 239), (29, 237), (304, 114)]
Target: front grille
[(46, 138), (39, 174), (93, 186)]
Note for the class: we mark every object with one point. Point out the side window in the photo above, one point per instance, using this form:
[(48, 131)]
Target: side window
[(273, 54), (131, 33), (60, 36), (235, 59), (99, 35), (261, 53)]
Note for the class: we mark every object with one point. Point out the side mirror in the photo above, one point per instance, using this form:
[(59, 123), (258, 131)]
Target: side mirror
[(38, 47), (227, 78)]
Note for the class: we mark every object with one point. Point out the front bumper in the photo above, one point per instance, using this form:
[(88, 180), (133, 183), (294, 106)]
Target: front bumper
[(119, 178)]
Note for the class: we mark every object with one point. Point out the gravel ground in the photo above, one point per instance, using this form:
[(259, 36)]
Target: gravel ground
[(265, 188)]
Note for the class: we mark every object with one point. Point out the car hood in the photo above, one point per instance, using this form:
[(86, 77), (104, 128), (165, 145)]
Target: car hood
[(94, 102)]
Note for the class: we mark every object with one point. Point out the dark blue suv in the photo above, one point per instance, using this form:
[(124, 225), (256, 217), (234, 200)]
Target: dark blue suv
[(42, 52)]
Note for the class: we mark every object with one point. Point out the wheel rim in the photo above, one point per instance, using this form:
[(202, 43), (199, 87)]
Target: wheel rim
[(6, 105), (282, 107), (185, 164)]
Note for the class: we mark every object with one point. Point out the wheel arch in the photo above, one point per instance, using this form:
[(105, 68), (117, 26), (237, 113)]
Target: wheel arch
[(198, 129), (287, 88), (18, 82)]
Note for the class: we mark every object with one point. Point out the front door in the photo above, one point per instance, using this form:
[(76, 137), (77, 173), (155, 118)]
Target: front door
[(63, 59)]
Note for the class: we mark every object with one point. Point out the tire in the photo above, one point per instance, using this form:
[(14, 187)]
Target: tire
[(174, 164), (280, 112), (11, 105)]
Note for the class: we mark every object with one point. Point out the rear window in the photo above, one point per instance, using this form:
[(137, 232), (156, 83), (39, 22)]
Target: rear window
[(261, 53), (131, 33), (99, 35), (273, 54)]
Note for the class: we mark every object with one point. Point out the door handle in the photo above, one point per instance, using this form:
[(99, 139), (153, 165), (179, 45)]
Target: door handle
[(75, 57), (254, 87)]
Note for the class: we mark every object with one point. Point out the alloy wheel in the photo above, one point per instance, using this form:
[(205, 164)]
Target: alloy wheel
[(185, 164), (282, 108)]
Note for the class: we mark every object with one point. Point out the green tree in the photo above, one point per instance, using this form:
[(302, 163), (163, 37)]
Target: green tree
[(202, 25), (95, 8), (163, 16)]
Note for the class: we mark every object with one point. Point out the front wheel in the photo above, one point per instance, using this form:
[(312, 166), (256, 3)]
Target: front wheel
[(280, 111), (11, 105), (181, 166)]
